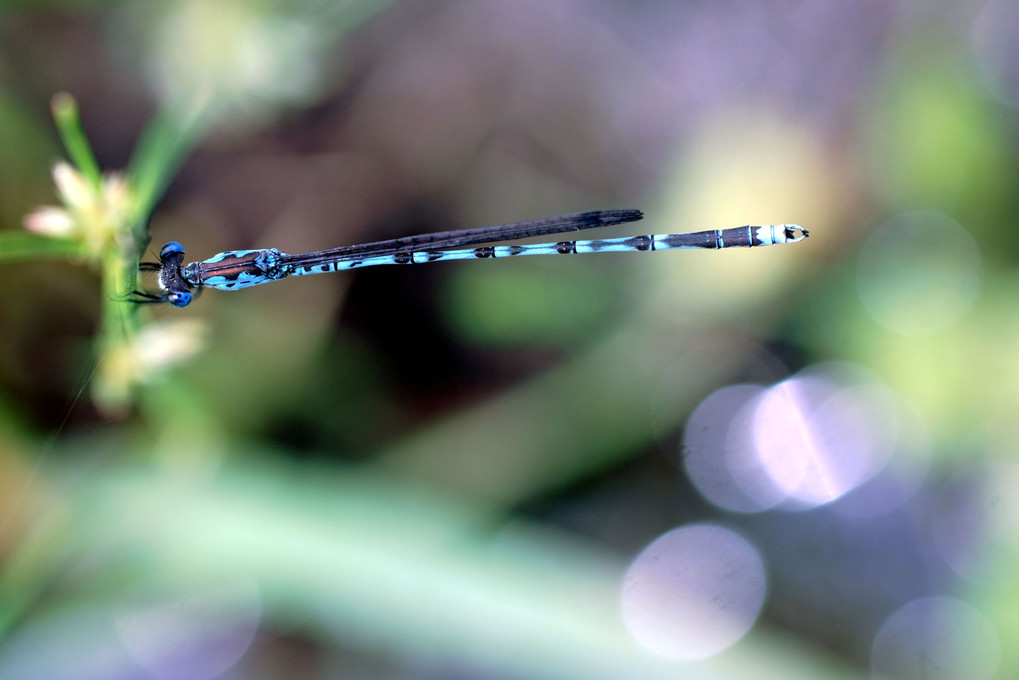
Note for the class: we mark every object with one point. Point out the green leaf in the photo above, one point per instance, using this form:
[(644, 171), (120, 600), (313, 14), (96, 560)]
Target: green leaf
[(164, 143), (16, 246), (65, 114)]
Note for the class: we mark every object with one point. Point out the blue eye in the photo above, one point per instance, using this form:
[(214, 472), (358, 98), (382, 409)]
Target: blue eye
[(179, 299), (169, 249)]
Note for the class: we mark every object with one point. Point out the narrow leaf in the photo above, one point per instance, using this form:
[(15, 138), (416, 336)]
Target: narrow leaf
[(68, 121), (16, 246)]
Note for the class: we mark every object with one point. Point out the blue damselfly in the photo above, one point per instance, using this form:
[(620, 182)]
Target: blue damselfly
[(237, 269)]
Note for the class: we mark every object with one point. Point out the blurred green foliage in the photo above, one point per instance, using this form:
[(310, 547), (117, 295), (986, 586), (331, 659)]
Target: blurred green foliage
[(436, 471)]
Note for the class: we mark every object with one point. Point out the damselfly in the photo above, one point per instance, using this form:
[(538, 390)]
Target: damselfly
[(237, 269)]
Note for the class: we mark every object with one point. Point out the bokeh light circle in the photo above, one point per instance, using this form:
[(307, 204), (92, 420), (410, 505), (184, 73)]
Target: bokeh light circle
[(935, 638), (719, 454), (918, 273), (693, 592), (195, 637), (975, 521), (997, 49), (903, 475), (805, 441), (819, 437)]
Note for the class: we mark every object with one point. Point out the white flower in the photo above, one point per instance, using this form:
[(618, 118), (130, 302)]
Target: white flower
[(96, 215), (51, 221), (73, 188), (145, 357)]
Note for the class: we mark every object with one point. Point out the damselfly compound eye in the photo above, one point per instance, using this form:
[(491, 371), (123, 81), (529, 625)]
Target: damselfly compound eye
[(169, 249), (179, 299)]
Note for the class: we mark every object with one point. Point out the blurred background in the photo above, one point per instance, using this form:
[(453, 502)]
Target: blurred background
[(790, 462)]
